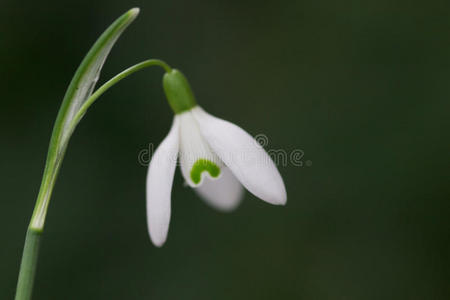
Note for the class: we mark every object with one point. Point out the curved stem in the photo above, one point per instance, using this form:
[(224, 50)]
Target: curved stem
[(36, 226), (113, 81), (51, 170)]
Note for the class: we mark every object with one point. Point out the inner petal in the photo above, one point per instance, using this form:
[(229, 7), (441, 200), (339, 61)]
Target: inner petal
[(197, 160)]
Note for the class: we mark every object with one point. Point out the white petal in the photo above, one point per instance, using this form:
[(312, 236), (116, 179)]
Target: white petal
[(224, 194), (248, 161), (159, 185), (195, 154)]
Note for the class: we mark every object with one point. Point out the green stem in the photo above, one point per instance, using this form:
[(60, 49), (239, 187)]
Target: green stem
[(36, 227), (52, 167), (113, 81), (28, 265)]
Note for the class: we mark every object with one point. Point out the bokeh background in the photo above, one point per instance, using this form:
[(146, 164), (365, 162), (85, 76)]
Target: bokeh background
[(361, 87)]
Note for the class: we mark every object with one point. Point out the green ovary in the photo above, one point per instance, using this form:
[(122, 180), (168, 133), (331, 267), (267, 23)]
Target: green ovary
[(202, 165)]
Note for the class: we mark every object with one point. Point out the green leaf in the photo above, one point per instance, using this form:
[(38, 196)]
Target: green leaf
[(85, 78), (79, 90)]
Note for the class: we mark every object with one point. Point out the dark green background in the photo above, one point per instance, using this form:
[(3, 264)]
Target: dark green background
[(362, 87)]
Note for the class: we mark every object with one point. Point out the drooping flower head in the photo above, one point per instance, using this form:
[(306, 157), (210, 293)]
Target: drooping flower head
[(217, 158)]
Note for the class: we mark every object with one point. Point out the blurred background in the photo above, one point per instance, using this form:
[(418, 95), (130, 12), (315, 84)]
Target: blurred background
[(360, 87)]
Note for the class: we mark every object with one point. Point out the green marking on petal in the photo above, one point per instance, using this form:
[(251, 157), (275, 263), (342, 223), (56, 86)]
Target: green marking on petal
[(202, 165)]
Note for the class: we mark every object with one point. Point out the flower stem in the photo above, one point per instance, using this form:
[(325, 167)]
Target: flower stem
[(113, 81), (53, 163), (28, 265)]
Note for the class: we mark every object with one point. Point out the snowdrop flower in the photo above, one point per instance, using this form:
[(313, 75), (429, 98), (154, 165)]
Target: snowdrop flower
[(216, 158)]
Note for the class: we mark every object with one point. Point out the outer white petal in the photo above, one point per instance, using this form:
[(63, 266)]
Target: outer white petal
[(159, 185), (224, 193), (244, 156)]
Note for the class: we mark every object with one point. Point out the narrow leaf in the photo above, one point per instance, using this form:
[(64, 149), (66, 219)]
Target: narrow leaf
[(85, 78), (79, 90)]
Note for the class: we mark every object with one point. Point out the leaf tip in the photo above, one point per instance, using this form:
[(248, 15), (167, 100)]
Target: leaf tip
[(134, 12)]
